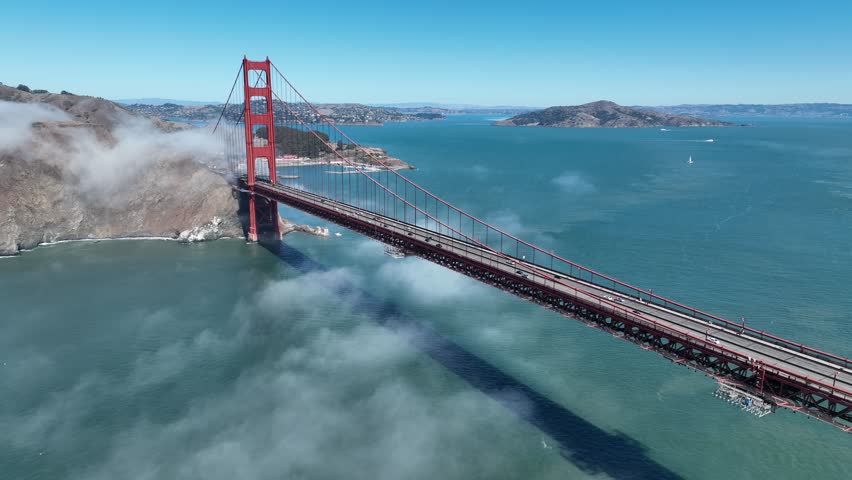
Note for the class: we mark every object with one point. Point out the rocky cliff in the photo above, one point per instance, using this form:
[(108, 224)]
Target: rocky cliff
[(76, 167), (605, 114)]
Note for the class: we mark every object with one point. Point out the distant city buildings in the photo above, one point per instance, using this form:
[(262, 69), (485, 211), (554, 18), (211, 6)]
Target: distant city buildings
[(347, 113)]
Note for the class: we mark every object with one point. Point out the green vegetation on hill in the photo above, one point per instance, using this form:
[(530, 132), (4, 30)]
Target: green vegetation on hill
[(292, 141)]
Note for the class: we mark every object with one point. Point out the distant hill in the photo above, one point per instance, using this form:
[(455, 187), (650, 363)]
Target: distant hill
[(162, 101), (605, 114), (453, 108), (813, 110)]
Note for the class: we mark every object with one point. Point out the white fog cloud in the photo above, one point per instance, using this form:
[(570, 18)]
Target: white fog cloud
[(332, 395), (16, 120), (426, 282), (509, 222), (334, 385), (100, 166), (574, 182)]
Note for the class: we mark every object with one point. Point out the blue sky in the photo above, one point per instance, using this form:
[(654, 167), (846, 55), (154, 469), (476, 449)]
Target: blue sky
[(521, 53)]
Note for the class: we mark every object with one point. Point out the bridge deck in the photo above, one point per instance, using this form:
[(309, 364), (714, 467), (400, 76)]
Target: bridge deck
[(781, 358)]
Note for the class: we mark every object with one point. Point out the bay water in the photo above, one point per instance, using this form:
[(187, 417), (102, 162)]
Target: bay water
[(327, 359)]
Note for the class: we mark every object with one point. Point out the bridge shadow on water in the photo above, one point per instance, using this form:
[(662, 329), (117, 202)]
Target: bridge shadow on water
[(588, 447)]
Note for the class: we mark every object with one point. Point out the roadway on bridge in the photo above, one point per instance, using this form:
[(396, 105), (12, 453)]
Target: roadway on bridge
[(639, 311)]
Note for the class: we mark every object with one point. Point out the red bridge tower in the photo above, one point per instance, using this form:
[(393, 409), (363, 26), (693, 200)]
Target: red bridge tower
[(259, 118)]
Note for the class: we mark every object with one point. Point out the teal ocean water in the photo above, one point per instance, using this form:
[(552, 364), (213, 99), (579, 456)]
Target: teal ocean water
[(328, 359)]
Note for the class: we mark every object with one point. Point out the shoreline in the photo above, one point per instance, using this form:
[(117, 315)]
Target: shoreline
[(288, 229), (79, 240), (365, 166)]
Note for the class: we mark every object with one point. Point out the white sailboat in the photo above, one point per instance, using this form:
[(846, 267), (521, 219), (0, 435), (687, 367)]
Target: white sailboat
[(690, 160)]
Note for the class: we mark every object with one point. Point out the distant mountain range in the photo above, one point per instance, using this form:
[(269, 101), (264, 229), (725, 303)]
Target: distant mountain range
[(162, 101), (699, 110), (340, 113), (605, 114), (456, 108), (816, 110), (410, 108)]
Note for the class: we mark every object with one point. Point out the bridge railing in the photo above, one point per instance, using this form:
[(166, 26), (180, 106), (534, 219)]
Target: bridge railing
[(379, 188)]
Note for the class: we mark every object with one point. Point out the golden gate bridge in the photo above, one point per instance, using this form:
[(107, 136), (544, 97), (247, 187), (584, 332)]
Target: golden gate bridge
[(281, 149)]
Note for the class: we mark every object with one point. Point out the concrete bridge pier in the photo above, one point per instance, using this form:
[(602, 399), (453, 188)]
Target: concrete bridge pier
[(259, 217)]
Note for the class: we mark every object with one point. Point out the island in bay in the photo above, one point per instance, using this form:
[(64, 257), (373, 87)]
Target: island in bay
[(605, 114)]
